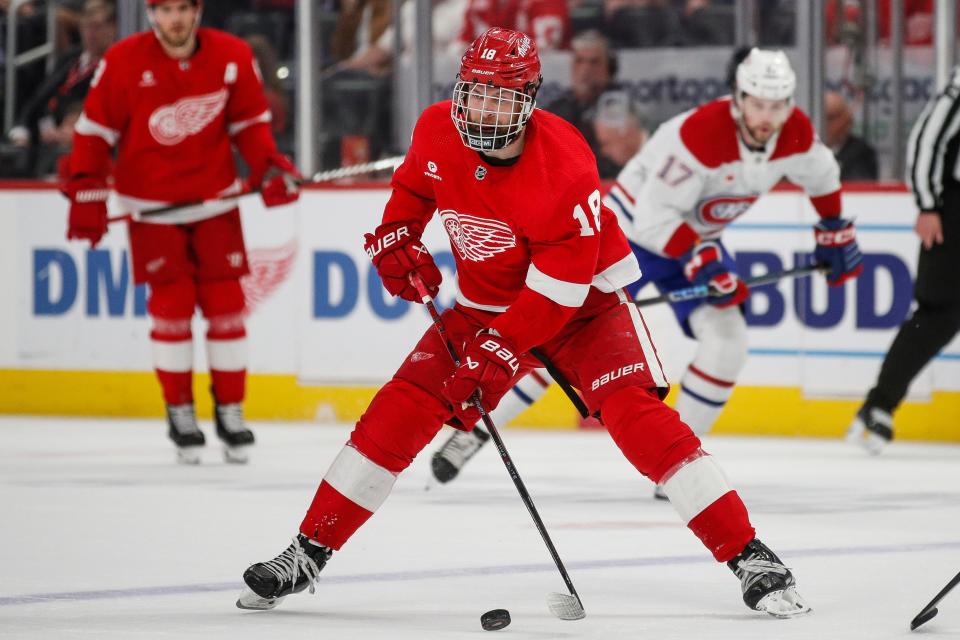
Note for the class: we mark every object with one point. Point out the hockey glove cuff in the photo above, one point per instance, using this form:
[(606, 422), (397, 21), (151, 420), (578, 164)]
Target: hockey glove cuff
[(488, 367), (396, 251), (837, 248), (87, 219), (704, 266)]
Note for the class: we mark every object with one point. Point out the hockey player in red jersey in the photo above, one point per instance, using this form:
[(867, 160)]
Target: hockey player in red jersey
[(172, 104), (541, 262)]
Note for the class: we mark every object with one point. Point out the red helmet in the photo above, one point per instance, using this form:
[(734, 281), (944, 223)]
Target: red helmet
[(497, 85)]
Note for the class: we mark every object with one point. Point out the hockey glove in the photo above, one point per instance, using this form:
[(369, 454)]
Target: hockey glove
[(396, 251), (87, 219), (280, 182), (704, 266), (488, 367), (837, 248)]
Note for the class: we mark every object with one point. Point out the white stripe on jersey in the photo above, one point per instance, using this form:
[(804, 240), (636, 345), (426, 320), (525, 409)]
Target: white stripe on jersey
[(567, 294), (618, 275), (87, 127)]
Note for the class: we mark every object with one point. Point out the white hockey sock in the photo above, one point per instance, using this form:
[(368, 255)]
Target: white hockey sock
[(528, 390)]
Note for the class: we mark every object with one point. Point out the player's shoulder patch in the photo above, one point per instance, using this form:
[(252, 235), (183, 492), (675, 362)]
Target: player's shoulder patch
[(796, 136), (710, 134)]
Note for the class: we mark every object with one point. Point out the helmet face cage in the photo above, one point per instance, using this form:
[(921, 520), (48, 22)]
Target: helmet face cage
[(489, 117)]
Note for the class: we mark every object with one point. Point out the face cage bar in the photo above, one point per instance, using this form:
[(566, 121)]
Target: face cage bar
[(503, 104)]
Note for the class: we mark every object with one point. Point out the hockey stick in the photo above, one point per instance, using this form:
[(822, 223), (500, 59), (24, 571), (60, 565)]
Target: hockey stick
[(561, 380), (318, 178), (703, 291), (565, 607), (929, 611)]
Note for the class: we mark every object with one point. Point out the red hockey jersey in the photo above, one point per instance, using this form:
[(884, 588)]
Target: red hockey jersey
[(173, 122), (533, 236)]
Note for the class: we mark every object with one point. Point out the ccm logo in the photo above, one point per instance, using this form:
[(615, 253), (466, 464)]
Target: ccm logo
[(618, 373), (506, 355), (388, 240)]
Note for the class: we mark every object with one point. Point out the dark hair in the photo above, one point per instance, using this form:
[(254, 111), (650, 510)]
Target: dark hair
[(739, 55)]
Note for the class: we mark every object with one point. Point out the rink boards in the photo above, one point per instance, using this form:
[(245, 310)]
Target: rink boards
[(323, 333)]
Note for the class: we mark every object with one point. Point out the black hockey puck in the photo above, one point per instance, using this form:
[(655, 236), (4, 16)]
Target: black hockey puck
[(495, 619)]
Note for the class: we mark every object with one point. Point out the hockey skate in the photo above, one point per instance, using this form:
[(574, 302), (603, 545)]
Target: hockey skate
[(872, 429), (297, 568), (450, 458), (659, 493), (233, 432), (185, 433), (767, 585)]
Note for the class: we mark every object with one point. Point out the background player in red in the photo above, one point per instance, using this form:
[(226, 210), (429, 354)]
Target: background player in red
[(174, 103), (540, 262)]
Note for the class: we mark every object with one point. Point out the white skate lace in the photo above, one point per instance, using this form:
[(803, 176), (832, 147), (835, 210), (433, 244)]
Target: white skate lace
[(460, 447), (183, 418), (753, 569), (289, 564), (231, 417)]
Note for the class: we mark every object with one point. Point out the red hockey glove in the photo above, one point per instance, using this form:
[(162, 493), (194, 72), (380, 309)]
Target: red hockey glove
[(396, 251), (837, 247), (487, 367), (88, 208), (704, 266), (280, 182)]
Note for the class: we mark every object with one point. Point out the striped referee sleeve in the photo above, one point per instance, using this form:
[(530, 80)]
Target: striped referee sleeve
[(938, 123)]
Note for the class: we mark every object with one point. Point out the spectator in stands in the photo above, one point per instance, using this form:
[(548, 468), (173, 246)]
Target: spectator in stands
[(844, 22), (52, 156), (447, 16), (857, 159), (706, 22), (43, 114), (592, 72), (619, 131), (359, 24), (641, 23), (546, 21)]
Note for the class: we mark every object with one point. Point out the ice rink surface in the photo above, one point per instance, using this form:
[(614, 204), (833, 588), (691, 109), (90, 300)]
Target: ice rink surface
[(103, 536)]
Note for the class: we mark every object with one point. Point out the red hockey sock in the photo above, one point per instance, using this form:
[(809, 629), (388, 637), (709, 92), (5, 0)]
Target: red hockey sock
[(223, 304), (173, 359)]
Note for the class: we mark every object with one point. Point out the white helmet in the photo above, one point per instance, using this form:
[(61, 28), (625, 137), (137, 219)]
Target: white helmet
[(767, 75)]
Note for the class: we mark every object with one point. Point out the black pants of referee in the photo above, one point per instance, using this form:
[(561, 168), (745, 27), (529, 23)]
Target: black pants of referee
[(936, 319)]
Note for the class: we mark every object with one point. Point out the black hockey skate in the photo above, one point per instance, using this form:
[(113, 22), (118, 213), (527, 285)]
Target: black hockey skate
[(297, 568), (872, 429), (185, 433), (767, 585), (233, 432), (456, 451)]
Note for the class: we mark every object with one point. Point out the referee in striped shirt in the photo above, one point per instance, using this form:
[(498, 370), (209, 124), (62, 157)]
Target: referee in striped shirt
[(933, 172)]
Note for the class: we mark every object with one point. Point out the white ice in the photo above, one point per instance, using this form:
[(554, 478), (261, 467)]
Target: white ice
[(103, 536)]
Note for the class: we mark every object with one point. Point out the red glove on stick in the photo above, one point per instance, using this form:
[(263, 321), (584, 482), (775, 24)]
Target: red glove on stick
[(488, 367), (279, 182), (396, 251), (88, 208)]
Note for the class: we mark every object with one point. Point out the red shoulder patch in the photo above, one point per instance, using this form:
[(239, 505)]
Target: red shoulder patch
[(796, 136), (710, 134)]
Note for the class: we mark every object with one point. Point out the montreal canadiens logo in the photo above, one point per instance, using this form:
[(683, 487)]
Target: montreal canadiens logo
[(724, 209), (476, 238), (172, 123)]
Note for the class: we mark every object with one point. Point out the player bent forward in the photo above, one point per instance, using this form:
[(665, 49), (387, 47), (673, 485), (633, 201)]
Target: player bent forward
[(533, 271)]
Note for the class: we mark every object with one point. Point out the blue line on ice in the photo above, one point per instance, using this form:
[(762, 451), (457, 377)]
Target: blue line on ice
[(432, 574)]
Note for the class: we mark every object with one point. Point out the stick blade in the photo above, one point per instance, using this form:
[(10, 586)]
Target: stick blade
[(565, 606), (922, 617)]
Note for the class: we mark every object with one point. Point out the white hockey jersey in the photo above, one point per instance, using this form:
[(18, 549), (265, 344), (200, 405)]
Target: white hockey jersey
[(695, 176)]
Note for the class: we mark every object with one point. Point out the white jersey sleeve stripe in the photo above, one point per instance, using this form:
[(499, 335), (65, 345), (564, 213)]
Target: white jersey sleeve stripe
[(567, 294), (618, 275), (359, 479), (87, 127), (236, 127)]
